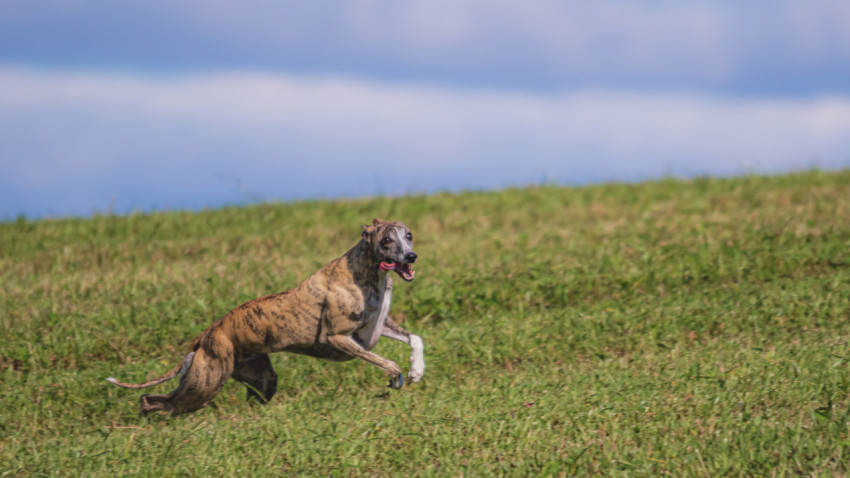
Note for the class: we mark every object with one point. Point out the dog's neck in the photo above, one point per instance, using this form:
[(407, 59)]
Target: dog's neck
[(363, 263)]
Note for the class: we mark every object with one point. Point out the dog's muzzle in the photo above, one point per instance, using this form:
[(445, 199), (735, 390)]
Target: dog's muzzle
[(404, 270)]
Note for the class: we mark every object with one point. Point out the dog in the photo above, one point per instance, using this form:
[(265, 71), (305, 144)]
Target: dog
[(337, 314)]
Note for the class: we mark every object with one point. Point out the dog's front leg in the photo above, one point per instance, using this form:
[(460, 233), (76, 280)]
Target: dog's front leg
[(417, 353), (348, 345)]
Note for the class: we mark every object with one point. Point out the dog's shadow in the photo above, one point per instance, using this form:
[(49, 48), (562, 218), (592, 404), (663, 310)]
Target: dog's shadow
[(339, 388)]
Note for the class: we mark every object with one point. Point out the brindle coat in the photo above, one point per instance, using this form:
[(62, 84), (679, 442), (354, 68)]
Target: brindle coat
[(338, 313)]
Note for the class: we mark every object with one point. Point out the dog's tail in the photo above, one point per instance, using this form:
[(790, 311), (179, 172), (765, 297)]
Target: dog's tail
[(187, 361)]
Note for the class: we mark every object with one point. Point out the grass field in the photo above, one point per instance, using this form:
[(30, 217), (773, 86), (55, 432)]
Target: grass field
[(693, 328)]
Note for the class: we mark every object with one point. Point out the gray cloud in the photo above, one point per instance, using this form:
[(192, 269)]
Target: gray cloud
[(790, 48), (76, 141)]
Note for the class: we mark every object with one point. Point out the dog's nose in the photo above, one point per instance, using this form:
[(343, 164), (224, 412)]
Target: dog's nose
[(410, 257)]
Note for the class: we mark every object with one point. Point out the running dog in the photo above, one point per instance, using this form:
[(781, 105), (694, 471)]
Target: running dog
[(338, 313)]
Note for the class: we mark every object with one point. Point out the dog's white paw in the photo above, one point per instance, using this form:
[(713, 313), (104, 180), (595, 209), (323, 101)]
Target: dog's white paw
[(417, 359), (416, 375), (417, 367)]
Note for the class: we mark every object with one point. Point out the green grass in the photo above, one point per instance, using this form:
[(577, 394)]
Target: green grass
[(683, 328)]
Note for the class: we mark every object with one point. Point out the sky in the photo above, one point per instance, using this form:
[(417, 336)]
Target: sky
[(116, 107)]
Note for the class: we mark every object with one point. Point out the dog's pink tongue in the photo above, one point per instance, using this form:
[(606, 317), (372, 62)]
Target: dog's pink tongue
[(386, 266)]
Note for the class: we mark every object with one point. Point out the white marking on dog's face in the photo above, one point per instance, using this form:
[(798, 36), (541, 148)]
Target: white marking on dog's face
[(404, 239)]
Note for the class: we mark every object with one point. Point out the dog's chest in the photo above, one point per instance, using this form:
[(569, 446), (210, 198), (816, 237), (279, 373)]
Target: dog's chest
[(377, 307)]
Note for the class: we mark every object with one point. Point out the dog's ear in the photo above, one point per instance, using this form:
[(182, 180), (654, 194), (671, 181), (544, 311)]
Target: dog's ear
[(377, 221), (367, 232)]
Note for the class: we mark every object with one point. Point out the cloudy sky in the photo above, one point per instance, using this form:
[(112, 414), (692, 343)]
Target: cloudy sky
[(150, 105)]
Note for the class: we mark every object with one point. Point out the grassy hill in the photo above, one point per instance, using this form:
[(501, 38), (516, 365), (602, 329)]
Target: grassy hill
[(681, 328)]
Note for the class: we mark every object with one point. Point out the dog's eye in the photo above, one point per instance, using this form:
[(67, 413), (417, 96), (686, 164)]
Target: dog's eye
[(409, 236), (387, 240)]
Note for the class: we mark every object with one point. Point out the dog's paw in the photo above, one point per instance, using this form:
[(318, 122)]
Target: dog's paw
[(417, 370), (397, 382), (417, 359)]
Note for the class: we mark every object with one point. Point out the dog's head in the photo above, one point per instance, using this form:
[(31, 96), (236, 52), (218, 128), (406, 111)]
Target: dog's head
[(392, 244)]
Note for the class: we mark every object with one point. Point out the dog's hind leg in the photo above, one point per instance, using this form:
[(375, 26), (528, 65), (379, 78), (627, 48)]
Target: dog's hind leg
[(209, 369), (258, 376)]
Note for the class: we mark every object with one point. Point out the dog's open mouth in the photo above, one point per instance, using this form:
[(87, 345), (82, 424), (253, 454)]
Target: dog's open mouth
[(404, 270)]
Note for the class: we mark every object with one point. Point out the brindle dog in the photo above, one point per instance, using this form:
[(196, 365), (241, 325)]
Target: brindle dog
[(338, 313)]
